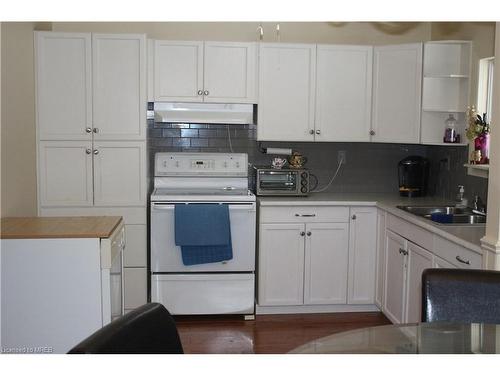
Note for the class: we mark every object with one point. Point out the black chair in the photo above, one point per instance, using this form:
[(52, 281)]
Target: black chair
[(461, 296), (149, 329)]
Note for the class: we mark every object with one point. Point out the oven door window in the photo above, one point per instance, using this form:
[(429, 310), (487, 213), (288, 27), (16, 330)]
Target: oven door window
[(275, 180)]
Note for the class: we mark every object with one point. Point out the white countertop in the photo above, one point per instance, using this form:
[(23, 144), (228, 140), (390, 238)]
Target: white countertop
[(468, 236)]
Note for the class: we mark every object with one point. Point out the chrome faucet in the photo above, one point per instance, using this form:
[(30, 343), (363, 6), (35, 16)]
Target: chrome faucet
[(478, 206)]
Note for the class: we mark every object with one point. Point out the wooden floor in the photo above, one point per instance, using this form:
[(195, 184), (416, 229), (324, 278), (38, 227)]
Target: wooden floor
[(272, 334)]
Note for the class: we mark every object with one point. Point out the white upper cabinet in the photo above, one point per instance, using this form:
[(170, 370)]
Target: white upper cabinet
[(397, 82), (178, 70), (286, 92), (230, 72), (119, 86), (343, 93), (63, 85), (222, 72)]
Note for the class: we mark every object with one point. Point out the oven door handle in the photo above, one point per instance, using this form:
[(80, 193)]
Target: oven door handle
[(232, 207)]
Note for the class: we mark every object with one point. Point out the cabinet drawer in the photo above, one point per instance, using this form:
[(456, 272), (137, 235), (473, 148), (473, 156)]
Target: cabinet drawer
[(411, 232), (300, 214), (456, 254)]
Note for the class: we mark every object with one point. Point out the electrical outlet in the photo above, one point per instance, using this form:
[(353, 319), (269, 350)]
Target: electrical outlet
[(342, 157)]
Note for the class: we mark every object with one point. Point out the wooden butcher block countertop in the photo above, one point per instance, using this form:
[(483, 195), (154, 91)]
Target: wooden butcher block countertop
[(59, 227)]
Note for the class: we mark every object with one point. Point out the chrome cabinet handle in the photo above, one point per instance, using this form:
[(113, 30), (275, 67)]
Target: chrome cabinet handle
[(88, 151), (311, 131), (372, 132), (305, 215), (88, 130), (318, 132), (96, 152), (353, 217), (309, 233), (200, 92), (461, 260), (96, 130), (403, 251), (302, 234), (206, 92)]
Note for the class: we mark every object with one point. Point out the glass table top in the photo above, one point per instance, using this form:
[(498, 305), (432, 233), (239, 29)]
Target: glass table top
[(418, 338)]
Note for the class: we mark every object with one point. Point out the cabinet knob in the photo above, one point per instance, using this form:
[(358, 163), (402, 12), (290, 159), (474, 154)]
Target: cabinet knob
[(372, 132), (88, 151), (206, 92), (403, 251), (96, 152), (311, 131), (200, 92), (309, 233), (88, 130), (96, 130), (318, 132), (353, 217), (302, 234)]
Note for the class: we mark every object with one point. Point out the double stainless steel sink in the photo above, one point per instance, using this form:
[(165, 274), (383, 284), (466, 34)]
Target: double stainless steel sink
[(446, 214)]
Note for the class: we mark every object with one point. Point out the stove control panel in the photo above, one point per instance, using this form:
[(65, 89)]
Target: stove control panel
[(200, 164)]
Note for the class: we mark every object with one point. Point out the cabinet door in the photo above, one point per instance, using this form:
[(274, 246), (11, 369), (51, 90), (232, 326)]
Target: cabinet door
[(286, 92), (178, 71), (380, 260), (362, 251), (119, 173), (343, 93), (397, 82), (65, 173), (441, 263), (135, 287), (418, 260), (230, 72), (326, 257), (119, 86), (395, 277), (281, 264), (63, 85)]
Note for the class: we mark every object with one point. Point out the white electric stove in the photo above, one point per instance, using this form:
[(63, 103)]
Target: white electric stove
[(212, 288)]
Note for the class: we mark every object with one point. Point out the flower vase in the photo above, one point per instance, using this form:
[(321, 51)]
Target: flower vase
[(482, 143)]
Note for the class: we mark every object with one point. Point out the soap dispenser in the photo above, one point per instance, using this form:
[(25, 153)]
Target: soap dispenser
[(461, 200)]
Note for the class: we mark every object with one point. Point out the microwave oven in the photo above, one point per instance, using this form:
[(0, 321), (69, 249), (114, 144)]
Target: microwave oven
[(290, 182)]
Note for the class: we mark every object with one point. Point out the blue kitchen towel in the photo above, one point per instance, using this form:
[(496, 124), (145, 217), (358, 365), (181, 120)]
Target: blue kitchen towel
[(203, 232)]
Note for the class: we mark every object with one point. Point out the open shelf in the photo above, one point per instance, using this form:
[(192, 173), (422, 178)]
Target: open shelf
[(478, 170), (445, 144)]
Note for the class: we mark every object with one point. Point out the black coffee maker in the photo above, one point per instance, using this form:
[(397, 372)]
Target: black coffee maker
[(413, 173)]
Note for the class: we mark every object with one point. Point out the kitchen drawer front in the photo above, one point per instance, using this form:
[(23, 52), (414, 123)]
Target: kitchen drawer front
[(455, 254), (300, 214), (411, 232)]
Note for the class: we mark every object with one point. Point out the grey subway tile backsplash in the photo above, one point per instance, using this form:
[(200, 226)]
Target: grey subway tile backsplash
[(371, 167)]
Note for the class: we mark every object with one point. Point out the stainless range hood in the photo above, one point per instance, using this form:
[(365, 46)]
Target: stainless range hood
[(204, 113)]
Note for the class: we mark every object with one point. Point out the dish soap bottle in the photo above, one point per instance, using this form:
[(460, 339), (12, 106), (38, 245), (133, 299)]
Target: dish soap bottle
[(461, 200), (450, 130)]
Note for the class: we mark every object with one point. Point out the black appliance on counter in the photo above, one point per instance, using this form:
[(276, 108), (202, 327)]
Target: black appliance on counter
[(413, 173)]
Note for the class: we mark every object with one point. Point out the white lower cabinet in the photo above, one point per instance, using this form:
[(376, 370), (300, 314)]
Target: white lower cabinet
[(380, 260), (326, 257), (395, 277), (315, 263), (418, 259), (405, 261), (362, 252), (281, 264), (135, 254), (135, 287)]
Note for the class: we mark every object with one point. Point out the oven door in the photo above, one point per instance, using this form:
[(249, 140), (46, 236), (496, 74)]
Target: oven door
[(166, 256), (284, 182)]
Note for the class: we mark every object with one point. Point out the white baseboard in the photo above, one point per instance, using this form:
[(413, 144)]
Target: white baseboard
[(310, 309)]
